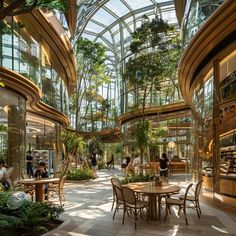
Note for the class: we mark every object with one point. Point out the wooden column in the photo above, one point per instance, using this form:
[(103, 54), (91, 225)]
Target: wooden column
[(16, 139), (216, 126)]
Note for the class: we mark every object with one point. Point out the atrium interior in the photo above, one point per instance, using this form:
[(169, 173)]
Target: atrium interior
[(120, 80)]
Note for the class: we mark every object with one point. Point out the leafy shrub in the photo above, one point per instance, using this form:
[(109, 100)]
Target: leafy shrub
[(137, 178), (7, 221), (32, 218), (80, 174)]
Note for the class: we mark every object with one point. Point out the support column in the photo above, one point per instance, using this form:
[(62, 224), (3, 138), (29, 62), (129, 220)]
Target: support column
[(16, 139), (216, 127)]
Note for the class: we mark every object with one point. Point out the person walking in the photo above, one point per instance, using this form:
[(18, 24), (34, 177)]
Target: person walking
[(94, 164), (111, 162), (164, 165)]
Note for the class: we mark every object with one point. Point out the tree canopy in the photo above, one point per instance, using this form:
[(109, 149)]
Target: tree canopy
[(91, 67), (156, 48), (152, 68)]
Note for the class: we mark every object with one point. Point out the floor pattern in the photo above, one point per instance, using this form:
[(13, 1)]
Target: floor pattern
[(88, 212)]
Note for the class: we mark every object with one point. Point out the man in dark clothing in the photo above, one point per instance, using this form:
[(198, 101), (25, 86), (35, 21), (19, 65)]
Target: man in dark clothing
[(29, 164), (164, 165), (111, 162), (41, 171)]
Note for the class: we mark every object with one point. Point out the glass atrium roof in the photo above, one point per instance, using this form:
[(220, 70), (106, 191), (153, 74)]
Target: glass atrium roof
[(112, 21)]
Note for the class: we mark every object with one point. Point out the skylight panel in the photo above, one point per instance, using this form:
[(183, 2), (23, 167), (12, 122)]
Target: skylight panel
[(94, 27), (117, 7), (107, 35), (104, 17), (88, 36), (136, 4)]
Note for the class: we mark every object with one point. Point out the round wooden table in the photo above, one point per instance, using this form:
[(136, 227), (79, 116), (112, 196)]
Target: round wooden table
[(39, 186), (149, 188)]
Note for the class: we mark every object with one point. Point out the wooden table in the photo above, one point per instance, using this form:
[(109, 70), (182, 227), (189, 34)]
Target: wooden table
[(153, 191), (39, 186)]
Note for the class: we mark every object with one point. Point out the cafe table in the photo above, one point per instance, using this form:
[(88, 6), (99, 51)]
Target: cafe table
[(153, 192), (39, 186)]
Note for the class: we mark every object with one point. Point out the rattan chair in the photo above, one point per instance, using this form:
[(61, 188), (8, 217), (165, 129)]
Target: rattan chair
[(194, 198), (118, 199), (133, 205), (29, 189), (57, 174), (115, 182), (58, 189), (25, 176), (178, 202)]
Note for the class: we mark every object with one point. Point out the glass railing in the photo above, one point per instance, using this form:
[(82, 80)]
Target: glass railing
[(34, 60), (196, 14)]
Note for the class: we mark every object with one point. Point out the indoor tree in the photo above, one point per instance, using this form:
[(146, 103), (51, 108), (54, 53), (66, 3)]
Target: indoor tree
[(74, 144), (90, 58), (156, 51)]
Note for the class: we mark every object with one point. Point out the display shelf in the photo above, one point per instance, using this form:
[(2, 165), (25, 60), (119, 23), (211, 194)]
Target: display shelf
[(228, 161)]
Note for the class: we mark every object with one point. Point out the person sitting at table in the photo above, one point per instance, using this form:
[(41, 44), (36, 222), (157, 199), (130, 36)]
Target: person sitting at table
[(41, 172)]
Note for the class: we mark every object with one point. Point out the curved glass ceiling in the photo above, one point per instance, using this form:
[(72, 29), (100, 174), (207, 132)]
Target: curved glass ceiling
[(112, 21)]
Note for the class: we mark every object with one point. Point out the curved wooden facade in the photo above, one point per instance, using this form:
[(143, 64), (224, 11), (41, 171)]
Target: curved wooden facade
[(53, 33), (32, 94), (170, 110), (214, 40)]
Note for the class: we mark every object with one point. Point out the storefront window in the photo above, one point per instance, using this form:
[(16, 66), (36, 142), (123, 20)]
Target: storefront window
[(12, 130), (43, 140)]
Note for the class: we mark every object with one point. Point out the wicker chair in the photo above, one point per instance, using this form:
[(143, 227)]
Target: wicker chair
[(115, 182), (118, 199), (133, 205), (178, 202), (25, 176), (57, 174), (194, 198), (29, 189), (58, 189)]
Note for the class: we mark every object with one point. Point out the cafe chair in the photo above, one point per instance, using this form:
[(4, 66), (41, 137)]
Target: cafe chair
[(194, 199), (58, 189), (133, 205), (164, 179), (57, 174), (27, 188), (118, 199), (25, 176), (114, 182), (181, 203), (10, 172)]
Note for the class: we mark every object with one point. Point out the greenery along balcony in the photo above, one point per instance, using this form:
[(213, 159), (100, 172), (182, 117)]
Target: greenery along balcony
[(150, 75), (92, 104)]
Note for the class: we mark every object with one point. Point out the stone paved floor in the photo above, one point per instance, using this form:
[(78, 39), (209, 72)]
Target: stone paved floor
[(88, 212)]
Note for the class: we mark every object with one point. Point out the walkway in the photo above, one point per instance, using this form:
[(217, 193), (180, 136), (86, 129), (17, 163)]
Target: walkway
[(88, 212)]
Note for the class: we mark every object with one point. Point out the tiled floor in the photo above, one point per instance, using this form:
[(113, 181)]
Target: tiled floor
[(88, 212)]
